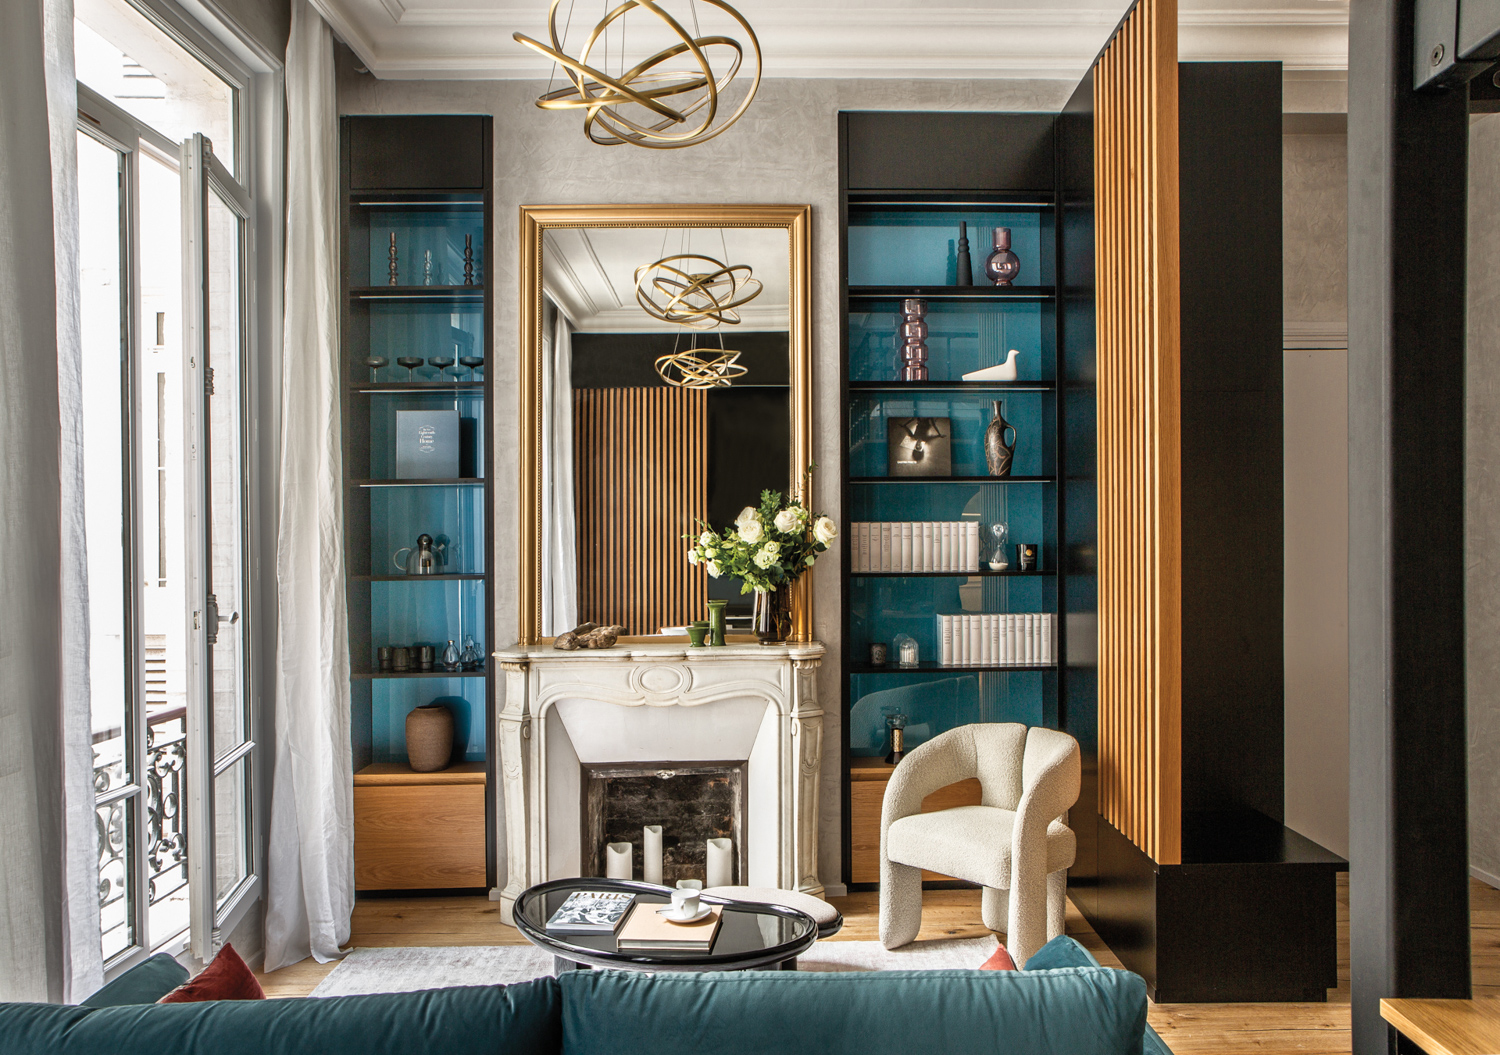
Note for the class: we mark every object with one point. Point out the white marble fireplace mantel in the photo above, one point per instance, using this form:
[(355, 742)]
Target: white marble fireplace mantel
[(658, 703)]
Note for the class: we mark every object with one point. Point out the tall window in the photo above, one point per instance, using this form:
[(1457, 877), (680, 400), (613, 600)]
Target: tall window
[(165, 252)]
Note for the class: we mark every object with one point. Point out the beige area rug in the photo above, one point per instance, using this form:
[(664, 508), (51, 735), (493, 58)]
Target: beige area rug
[(410, 969)]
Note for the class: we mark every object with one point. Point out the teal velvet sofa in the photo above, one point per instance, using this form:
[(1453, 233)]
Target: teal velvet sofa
[(1062, 1004)]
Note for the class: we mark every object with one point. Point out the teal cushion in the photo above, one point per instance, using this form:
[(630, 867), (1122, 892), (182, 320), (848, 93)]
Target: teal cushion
[(1063, 951), (503, 1020), (1079, 1012), (145, 983)]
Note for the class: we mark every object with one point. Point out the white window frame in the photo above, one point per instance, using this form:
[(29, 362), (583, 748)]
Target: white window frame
[(257, 76)]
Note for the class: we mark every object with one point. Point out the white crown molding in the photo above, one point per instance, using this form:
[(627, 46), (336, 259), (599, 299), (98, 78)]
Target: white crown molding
[(407, 39)]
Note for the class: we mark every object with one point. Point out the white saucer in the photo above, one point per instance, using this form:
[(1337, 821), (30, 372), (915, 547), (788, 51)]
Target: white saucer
[(665, 912)]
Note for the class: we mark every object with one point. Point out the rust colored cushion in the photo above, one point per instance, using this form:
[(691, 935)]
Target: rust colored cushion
[(227, 978), (999, 961)]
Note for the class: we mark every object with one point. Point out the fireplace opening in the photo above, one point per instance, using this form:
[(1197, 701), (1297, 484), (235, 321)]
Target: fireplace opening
[(691, 803)]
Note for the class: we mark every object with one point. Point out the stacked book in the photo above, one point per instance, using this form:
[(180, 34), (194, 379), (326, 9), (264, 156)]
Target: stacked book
[(648, 930), (1020, 640), (915, 545)]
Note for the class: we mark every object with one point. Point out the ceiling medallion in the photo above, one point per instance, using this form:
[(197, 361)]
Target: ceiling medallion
[(700, 368), (648, 104), (695, 290)]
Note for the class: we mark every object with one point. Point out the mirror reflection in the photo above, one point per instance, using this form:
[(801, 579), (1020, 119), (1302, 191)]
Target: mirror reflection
[(665, 393)]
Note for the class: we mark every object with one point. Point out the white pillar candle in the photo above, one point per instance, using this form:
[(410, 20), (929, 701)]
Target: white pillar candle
[(619, 860), (651, 869), (720, 862)]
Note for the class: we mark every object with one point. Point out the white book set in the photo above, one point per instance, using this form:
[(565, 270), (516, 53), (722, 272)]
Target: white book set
[(1022, 639), (915, 546)]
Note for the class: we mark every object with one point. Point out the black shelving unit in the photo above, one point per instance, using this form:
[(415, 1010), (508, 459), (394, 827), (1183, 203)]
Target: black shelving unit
[(906, 181), (428, 180)]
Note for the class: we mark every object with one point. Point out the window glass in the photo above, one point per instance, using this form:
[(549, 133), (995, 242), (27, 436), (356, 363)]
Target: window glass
[(133, 63), (101, 274)]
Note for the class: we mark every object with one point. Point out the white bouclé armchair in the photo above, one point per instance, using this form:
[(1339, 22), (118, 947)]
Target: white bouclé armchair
[(1014, 844)]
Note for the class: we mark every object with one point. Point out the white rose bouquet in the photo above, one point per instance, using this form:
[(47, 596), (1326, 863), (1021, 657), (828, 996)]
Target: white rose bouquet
[(767, 547)]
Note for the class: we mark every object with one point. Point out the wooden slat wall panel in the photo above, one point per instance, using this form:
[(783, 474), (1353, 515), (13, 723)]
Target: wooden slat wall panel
[(642, 483), (1140, 550)]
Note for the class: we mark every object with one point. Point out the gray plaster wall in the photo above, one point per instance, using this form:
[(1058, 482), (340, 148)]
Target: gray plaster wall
[(785, 150), (1482, 499), (1314, 220)]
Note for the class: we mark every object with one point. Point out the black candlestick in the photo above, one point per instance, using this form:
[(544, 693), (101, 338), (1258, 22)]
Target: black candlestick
[(468, 259), (965, 265)]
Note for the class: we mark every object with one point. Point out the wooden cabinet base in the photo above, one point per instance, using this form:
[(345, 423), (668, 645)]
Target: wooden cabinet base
[(867, 780), (419, 831)]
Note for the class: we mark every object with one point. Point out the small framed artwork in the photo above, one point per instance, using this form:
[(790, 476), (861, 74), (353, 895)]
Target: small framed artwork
[(919, 447)]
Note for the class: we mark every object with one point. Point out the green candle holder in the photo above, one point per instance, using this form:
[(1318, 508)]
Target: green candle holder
[(696, 633), (716, 622)]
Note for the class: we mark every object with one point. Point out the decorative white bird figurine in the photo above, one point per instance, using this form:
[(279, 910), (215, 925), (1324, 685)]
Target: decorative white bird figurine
[(1005, 371)]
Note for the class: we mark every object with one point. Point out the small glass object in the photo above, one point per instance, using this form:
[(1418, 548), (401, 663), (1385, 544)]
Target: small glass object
[(998, 533), (426, 657), (411, 362), (878, 653), (393, 259), (471, 361), (896, 726), (471, 659), (427, 268), (375, 362), (451, 658), (1002, 266), (441, 362), (907, 652)]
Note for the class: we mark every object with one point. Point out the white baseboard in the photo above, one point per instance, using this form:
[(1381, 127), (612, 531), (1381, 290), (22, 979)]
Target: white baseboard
[(835, 890), (1487, 878)]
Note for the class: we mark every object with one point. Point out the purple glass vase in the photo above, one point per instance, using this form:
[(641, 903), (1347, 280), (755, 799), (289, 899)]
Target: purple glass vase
[(1002, 266)]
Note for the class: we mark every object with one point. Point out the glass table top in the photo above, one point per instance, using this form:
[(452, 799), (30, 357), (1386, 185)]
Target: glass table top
[(750, 934)]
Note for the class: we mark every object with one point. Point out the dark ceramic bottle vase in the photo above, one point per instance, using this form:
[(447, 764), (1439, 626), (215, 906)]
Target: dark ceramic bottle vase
[(997, 453), (1002, 266), (964, 273)]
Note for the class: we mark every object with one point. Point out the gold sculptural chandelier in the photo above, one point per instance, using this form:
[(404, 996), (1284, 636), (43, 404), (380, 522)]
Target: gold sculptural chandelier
[(672, 98), (691, 289), (700, 368)]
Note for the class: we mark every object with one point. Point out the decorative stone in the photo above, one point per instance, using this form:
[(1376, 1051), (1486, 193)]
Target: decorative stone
[(570, 642), (601, 637)]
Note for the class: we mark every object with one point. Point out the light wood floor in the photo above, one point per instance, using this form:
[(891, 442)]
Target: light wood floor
[(1235, 1029)]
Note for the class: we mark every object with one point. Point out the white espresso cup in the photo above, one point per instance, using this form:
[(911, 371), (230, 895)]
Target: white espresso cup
[(684, 903)]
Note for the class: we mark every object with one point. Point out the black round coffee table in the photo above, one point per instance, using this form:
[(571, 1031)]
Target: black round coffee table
[(751, 935)]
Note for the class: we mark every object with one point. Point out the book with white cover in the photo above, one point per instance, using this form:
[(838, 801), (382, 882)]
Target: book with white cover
[(1048, 645), (945, 640), (590, 912), (1031, 642), (972, 531), (885, 545), (906, 553), (926, 545), (974, 645), (854, 544), (1013, 631)]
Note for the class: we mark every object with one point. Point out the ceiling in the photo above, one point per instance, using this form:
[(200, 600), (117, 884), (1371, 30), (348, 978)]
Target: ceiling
[(590, 273), (974, 39)]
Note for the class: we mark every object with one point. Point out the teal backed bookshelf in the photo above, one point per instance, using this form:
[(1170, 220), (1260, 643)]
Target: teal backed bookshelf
[(900, 242), (415, 178)]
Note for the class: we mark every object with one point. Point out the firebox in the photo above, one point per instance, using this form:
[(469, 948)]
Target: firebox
[(692, 803)]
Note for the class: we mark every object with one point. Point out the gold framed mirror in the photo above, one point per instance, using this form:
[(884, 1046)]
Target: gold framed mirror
[(655, 393)]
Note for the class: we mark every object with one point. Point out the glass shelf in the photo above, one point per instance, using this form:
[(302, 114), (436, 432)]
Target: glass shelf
[(457, 481), (916, 244), (926, 667), (1031, 414), (951, 386), (472, 389), (454, 517), (458, 577), (438, 227), (942, 574), (389, 675), (963, 335), (952, 480), (394, 696), (958, 293), (936, 699)]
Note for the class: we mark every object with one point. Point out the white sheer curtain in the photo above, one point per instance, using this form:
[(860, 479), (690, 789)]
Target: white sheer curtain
[(49, 945), (85, 968), (310, 866), (559, 513)]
